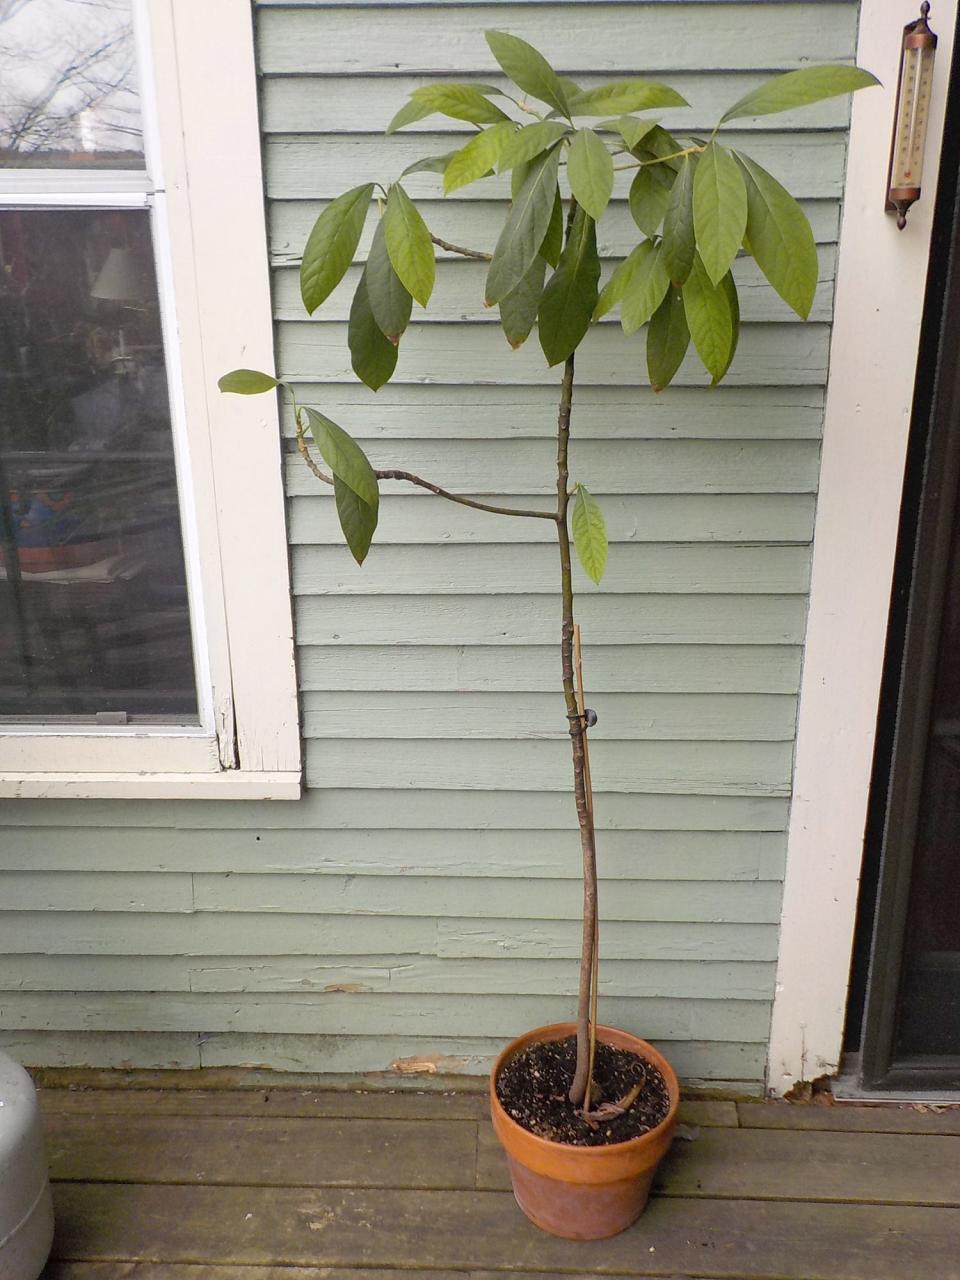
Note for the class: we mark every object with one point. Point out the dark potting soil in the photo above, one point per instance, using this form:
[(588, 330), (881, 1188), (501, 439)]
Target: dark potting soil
[(533, 1087)]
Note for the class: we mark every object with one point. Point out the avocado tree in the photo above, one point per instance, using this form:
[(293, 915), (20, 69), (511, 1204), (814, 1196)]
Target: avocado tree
[(696, 204)]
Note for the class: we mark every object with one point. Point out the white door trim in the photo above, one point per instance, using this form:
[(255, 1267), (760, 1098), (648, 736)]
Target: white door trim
[(879, 301)]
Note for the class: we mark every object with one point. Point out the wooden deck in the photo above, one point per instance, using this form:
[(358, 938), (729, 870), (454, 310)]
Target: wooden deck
[(295, 1184)]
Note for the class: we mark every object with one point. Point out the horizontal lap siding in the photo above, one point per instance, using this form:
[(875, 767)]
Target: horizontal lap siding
[(420, 904)]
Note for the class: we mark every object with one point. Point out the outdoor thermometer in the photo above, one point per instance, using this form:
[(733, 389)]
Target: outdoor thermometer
[(914, 90)]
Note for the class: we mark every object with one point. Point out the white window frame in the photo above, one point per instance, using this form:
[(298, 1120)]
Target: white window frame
[(206, 196), (881, 284)]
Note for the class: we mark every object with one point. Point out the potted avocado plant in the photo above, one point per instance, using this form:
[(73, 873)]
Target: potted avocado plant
[(585, 1112)]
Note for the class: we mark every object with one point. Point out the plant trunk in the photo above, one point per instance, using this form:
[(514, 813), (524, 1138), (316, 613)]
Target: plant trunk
[(580, 1089)]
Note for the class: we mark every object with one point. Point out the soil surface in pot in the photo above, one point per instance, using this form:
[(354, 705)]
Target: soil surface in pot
[(533, 1086)]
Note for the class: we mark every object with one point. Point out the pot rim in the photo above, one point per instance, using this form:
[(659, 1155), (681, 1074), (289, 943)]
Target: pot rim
[(562, 1030)]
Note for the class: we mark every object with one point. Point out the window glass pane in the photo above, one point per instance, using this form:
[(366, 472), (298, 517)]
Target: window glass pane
[(68, 85), (94, 620)]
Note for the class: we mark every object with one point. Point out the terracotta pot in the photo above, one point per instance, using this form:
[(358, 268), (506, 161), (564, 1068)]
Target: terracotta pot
[(583, 1193)]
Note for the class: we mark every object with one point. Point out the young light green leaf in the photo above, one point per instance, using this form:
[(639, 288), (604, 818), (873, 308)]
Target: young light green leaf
[(630, 129), (409, 245), (625, 95), (615, 288), (528, 69), (409, 113), (429, 164), (343, 456), (332, 244), (779, 237), (478, 158), (719, 210), (679, 239), (667, 340), (358, 519), (650, 195), (247, 382), (707, 309), (566, 308), (460, 102), (799, 89), (646, 288), (525, 228), (552, 246), (373, 356), (389, 301), (590, 172), (589, 534), (518, 310), (530, 141)]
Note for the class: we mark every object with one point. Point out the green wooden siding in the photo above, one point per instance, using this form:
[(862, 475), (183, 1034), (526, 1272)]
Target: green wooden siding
[(420, 904)]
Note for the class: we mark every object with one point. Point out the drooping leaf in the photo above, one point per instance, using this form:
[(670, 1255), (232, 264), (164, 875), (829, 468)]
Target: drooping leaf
[(650, 195), (646, 288), (409, 113), (373, 356), (707, 309), (518, 309), (625, 95), (530, 141), (409, 245), (799, 89), (358, 519), (552, 246), (590, 172), (247, 382), (332, 244), (389, 301), (615, 288), (719, 210), (460, 102), (589, 533), (630, 129), (528, 69), (570, 297), (730, 289), (343, 456), (525, 228), (478, 158), (679, 239), (667, 340), (429, 164), (780, 238)]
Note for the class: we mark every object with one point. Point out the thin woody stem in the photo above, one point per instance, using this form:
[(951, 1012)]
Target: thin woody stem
[(464, 253), (677, 155)]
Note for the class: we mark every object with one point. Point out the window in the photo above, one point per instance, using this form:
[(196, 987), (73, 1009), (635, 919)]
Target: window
[(145, 631)]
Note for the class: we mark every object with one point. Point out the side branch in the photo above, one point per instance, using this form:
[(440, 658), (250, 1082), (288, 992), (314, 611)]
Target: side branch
[(464, 253), (465, 502)]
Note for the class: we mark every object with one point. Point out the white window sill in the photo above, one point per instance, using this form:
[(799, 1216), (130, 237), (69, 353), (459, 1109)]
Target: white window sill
[(228, 784)]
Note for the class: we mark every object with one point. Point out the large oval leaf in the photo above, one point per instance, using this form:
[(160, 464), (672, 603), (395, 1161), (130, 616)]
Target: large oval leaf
[(650, 195), (710, 320), (799, 89), (530, 141), (518, 309), (645, 289), (667, 340), (616, 287), (332, 244), (247, 382), (526, 226), (409, 245), (570, 297), (409, 113), (389, 301), (679, 238), (719, 210), (343, 456), (779, 237), (460, 102), (590, 172), (589, 534), (373, 356), (528, 69), (358, 519), (478, 158), (623, 96)]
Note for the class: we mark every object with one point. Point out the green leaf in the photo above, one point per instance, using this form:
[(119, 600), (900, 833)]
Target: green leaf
[(730, 289), (615, 288), (552, 246), (429, 164), (460, 102), (799, 89), (589, 534), (625, 95), (570, 297), (358, 519), (650, 195), (707, 309), (646, 287), (373, 356), (661, 144), (389, 301), (525, 228), (630, 129), (779, 238), (409, 113), (667, 340), (530, 141), (247, 382), (679, 240), (343, 456), (332, 244), (528, 69), (478, 158), (518, 309), (409, 245), (590, 172), (719, 210)]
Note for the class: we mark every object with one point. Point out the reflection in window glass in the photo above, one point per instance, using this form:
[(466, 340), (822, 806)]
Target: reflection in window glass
[(68, 85), (94, 619)]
